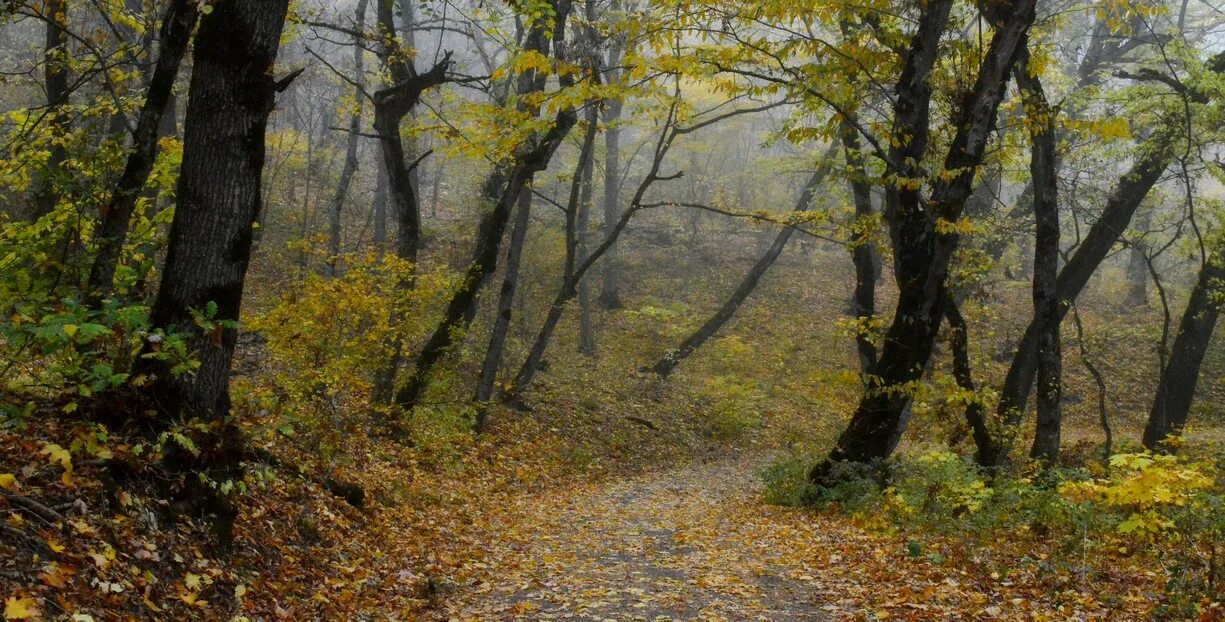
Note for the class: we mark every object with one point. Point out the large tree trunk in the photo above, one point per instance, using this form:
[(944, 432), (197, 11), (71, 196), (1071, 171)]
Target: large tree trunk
[(355, 128), (665, 365), (922, 253), (112, 232), (501, 190), (1172, 405), (506, 303), (1155, 156), (232, 93), (1042, 169)]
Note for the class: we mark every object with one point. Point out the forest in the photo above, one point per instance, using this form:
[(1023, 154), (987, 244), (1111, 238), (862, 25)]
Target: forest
[(612, 310)]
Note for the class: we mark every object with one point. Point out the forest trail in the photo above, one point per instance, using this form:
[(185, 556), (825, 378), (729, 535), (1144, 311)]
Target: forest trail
[(689, 543)]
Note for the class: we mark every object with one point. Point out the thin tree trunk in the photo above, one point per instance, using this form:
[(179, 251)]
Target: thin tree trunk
[(502, 190), (355, 128), (231, 96), (570, 278), (1137, 267), (976, 413), (1176, 389), (506, 302), (1046, 262), (435, 187), (863, 251), (1155, 155), (582, 220), (55, 81), (380, 208), (391, 105), (665, 365), (112, 232), (610, 287)]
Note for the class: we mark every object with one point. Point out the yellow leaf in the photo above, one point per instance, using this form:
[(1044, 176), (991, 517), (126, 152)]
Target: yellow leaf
[(57, 454), (70, 330), (20, 608), (8, 481), (192, 581)]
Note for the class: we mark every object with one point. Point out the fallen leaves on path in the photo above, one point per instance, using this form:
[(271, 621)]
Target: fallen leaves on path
[(696, 543)]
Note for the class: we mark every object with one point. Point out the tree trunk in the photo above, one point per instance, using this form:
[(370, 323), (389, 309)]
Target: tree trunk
[(976, 414), (1042, 169), (55, 81), (380, 208), (112, 232), (502, 190), (610, 287), (582, 220), (231, 95), (391, 104), (1137, 266), (922, 252), (1175, 391), (665, 365), (581, 185), (506, 301), (863, 251), (1155, 155), (355, 128)]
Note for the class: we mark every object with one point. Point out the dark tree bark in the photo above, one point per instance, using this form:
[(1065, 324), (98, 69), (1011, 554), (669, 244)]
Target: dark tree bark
[(219, 194), (355, 128), (391, 105), (1155, 155), (112, 231), (976, 414), (582, 220), (863, 251), (506, 303), (571, 277), (380, 208), (232, 93), (665, 365), (502, 190), (1042, 167), (1176, 390), (922, 253), (55, 81), (610, 287)]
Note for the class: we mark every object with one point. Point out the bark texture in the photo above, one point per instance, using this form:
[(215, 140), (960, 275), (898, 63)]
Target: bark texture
[(232, 93)]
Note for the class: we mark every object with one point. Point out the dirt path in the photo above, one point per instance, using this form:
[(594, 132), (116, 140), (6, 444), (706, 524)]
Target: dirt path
[(691, 543)]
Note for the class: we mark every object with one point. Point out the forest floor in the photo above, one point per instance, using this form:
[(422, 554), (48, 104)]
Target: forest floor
[(696, 542)]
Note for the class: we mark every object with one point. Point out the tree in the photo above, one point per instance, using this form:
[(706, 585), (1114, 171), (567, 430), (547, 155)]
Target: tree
[(1040, 119), (355, 127), (231, 96), (177, 25), (501, 190), (1176, 388), (922, 242)]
